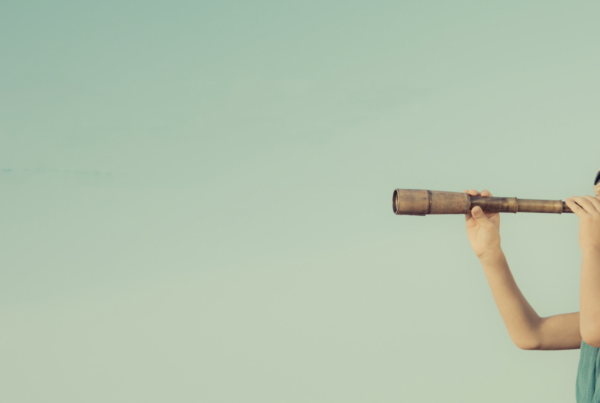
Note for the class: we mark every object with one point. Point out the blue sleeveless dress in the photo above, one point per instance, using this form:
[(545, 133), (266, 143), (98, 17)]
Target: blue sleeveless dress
[(588, 371)]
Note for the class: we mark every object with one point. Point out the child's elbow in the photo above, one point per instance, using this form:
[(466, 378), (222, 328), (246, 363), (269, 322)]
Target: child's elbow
[(527, 344)]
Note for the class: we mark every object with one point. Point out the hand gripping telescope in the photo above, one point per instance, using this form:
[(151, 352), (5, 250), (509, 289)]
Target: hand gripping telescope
[(424, 202)]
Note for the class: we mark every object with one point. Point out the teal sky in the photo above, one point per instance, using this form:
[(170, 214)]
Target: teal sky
[(196, 197)]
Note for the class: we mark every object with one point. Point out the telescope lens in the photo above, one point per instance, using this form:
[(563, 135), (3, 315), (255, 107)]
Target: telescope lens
[(395, 201)]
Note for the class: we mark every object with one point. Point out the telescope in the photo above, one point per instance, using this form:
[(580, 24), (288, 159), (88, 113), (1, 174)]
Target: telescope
[(425, 202)]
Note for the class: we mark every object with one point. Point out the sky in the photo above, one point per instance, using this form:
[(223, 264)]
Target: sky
[(196, 197)]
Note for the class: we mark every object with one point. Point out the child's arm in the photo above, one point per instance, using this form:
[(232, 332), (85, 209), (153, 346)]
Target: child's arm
[(525, 327), (588, 210)]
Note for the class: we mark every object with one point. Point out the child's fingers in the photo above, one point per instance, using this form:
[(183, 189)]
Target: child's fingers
[(575, 208), (486, 193), (585, 204), (594, 201), (473, 192)]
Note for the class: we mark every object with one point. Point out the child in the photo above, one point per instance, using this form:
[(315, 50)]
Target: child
[(559, 332)]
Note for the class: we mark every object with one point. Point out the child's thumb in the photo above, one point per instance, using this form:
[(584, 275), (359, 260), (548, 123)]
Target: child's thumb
[(478, 214)]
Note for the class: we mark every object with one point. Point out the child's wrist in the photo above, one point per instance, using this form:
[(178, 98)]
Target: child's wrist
[(491, 255)]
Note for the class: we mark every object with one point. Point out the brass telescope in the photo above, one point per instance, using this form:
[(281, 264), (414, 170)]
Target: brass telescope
[(424, 202)]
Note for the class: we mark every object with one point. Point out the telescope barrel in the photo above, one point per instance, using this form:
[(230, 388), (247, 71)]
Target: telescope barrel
[(424, 202)]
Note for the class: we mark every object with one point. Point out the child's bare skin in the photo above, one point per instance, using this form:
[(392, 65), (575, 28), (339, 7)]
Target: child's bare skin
[(526, 328), (587, 209)]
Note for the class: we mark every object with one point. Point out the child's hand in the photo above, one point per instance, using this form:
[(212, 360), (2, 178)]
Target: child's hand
[(483, 229), (587, 209)]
